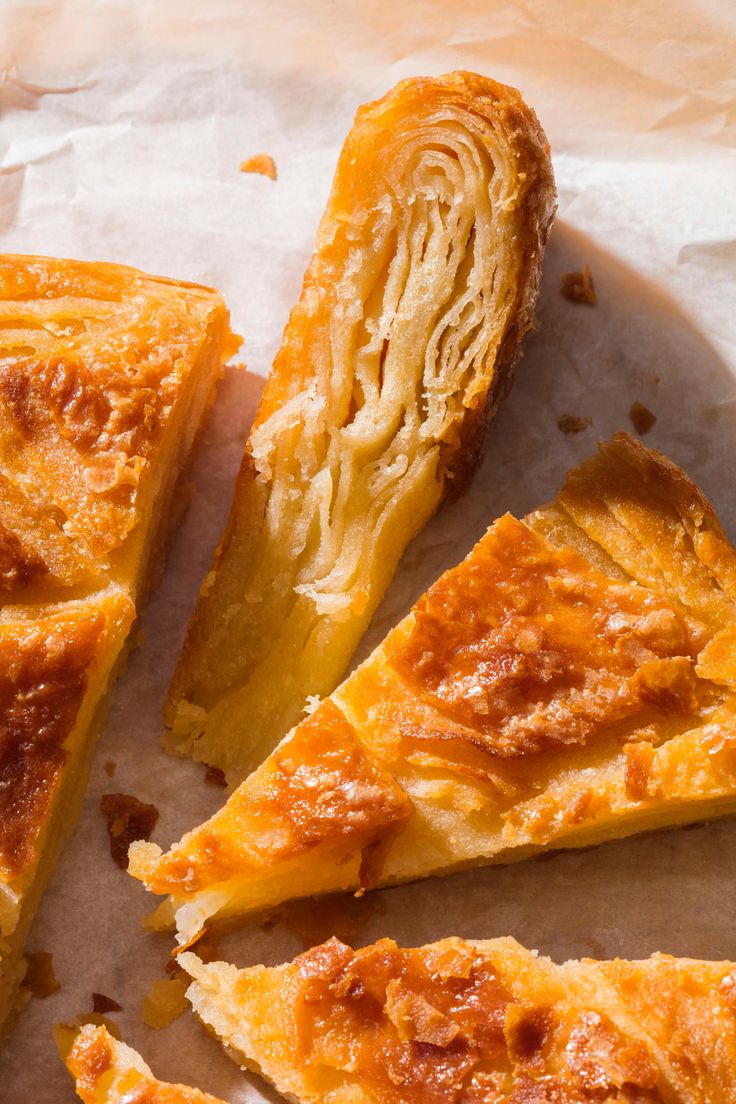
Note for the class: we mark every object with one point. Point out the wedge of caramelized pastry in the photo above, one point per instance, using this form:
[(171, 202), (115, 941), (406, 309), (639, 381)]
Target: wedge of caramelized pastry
[(572, 681), (104, 376), (109, 1072), (422, 284), (476, 1023)]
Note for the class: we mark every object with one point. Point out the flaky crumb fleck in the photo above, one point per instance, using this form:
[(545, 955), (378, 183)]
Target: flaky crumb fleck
[(214, 776), (311, 703), (40, 979), (128, 819), (641, 417), (110, 767), (578, 287), (101, 1004), (573, 423), (165, 1001), (261, 163)]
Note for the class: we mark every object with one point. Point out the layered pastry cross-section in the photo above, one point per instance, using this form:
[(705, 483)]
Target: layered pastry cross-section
[(572, 681), (490, 1022), (421, 287), (105, 374)]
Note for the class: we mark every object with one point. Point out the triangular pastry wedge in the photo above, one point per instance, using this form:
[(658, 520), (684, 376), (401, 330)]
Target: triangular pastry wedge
[(109, 1072), (105, 374), (459, 1022), (422, 284), (572, 681)]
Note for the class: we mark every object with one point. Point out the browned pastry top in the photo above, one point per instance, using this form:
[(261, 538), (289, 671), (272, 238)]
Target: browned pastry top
[(490, 1022), (92, 359), (438, 1024), (45, 666), (105, 1074), (321, 788), (529, 647)]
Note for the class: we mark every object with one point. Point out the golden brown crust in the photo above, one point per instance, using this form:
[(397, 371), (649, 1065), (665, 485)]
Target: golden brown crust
[(571, 681), (421, 286), (321, 788), (476, 1023), (555, 650), (108, 1072), (659, 525), (43, 679)]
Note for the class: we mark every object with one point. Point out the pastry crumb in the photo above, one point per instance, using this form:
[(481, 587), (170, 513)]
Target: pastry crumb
[(66, 1032), (573, 423), (101, 1003), (311, 704), (261, 163), (40, 978), (165, 1001), (641, 417), (208, 950), (181, 947), (64, 1036), (110, 767), (578, 287), (128, 819), (214, 776)]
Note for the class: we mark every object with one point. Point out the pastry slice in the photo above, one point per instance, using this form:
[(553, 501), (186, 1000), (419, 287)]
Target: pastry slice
[(572, 681), (55, 667), (105, 374), (420, 289), (109, 1072), (487, 1022)]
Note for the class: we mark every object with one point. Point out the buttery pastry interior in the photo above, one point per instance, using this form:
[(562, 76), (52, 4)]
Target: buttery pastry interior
[(105, 374), (475, 1023), (570, 682), (109, 1072), (421, 286)]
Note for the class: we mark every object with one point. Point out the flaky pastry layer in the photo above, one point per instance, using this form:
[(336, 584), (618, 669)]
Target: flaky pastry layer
[(422, 284), (459, 1022), (571, 681)]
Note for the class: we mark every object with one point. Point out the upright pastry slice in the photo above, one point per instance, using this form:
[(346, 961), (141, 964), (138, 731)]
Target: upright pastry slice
[(109, 1072), (104, 377), (421, 286), (476, 1023), (572, 681)]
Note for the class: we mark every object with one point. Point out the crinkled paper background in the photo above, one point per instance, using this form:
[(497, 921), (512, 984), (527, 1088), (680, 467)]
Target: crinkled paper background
[(122, 126)]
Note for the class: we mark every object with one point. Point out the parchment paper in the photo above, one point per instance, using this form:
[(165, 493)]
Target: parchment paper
[(122, 127)]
